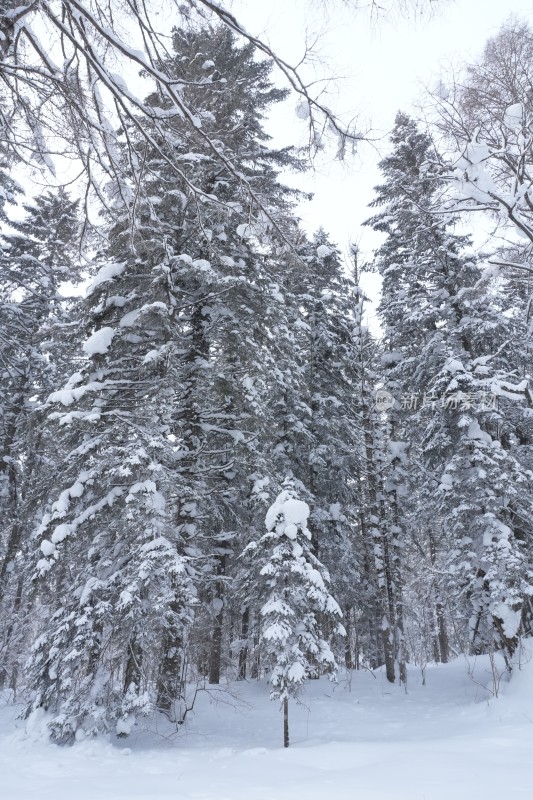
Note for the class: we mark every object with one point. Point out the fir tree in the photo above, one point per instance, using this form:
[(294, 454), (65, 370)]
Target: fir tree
[(162, 423), (327, 453), (447, 351), (296, 603), (34, 260)]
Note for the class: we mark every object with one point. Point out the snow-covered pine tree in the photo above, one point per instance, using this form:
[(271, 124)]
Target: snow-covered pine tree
[(448, 332), (408, 311), (234, 309), (485, 487), (477, 412), (164, 423), (488, 118), (298, 614), (314, 428), (34, 260), (8, 193), (8, 374), (9, 353), (326, 447), (114, 577), (410, 260)]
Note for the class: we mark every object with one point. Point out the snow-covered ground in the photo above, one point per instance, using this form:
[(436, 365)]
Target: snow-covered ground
[(362, 739)]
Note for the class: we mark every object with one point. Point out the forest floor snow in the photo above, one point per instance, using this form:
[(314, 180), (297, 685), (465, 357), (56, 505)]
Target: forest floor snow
[(360, 739)]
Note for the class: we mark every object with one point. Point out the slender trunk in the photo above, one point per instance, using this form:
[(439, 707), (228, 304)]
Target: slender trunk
[(348, 659), (378, 546), (312, 477), (256, 661), (243, 653), (389, 619), (397, 588), (215, 653), (8, 468), (475, 631), (444, 645), (169, 681), (434, 641), (13, 546), (442, 632), (11, 628), (132, 673), (286, 722)]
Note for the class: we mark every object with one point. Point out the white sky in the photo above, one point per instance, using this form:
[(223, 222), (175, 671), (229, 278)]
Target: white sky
[(384, 68)]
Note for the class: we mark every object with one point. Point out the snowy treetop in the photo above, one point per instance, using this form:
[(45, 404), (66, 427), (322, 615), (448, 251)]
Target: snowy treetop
[(287, 514)]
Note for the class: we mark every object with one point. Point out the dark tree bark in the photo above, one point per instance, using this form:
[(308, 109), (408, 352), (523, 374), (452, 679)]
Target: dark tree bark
[(243, 653)]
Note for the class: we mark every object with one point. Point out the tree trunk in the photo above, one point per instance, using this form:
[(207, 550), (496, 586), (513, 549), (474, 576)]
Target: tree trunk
[(169, 680), (348, 659), (7, 467), (215, 653), (256, 660), (444, 645), (397, 589), (243, 653), (371, 526), (442, 633), (132, 672), (286, 722), (387, 603)]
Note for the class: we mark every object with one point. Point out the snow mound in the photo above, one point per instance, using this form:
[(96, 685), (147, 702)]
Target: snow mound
[(104, 274), (286, 515), (514, 116), (99, 343)]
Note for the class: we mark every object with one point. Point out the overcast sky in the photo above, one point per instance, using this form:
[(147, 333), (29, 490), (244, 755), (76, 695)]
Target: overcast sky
[(380, 68)]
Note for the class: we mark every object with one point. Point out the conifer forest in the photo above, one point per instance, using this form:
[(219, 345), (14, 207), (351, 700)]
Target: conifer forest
[(212, 468)]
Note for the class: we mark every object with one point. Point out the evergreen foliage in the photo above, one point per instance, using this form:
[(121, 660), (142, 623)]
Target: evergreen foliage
[(296, 604), (219, 359), (448, 352)]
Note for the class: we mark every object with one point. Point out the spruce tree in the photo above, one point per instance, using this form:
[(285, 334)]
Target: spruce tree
[(297, 607), (163, 426), (445, 362), (327, 454), (34, 260)]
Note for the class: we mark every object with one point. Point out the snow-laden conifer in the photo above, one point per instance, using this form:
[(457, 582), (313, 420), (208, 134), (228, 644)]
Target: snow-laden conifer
[(450, 370), (37, 253), (299, 616), (321, 437), (163, 424)]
